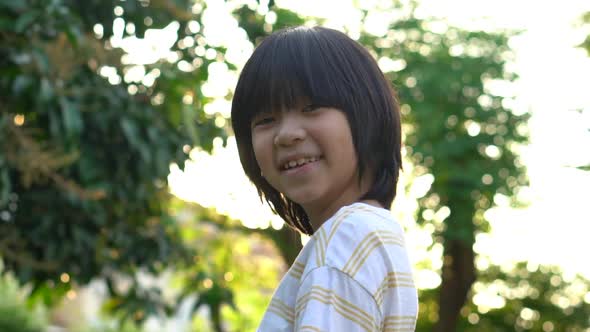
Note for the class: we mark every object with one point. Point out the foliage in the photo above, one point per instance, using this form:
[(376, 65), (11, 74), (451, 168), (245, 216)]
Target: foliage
[(525, 297), (15, 316), (586, 43), (127, 327), (222, 277), (83, 162), (458, 131)]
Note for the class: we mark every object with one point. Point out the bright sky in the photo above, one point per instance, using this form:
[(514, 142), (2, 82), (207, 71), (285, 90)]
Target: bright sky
[(554, 81)]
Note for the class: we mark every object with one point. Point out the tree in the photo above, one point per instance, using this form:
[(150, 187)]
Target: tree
[(526, 297), (84, 161), (459, 132)]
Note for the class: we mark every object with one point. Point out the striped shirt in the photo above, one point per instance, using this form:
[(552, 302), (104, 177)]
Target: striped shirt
[(353, 275)]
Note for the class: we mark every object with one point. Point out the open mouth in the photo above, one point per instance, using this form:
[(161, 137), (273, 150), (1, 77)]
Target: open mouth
[(298, 163)]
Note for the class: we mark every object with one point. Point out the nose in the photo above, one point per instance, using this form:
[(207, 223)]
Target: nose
[(290, 130)]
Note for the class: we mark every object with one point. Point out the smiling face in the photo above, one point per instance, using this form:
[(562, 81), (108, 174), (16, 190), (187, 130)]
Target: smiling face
[(325, 67), (308, 155)]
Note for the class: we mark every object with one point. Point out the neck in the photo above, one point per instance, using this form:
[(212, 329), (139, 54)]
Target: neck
[(320, 211)]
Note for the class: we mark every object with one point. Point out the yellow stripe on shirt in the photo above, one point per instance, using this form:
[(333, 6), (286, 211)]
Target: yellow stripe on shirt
[(321, 245), (296, 270), (371, 241), (399, 323), (342, 306), (339, 220), (282, 309), (393, 280)]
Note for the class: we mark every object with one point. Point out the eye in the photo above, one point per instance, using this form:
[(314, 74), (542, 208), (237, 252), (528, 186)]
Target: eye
[(262, 119), (311, 107)]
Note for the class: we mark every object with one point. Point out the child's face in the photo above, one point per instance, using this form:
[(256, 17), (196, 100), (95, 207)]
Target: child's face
[(308, 155)]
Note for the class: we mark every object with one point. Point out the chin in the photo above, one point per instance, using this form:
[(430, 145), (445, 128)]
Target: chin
[(302, 199)]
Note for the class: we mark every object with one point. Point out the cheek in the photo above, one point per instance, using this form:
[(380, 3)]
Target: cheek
[(343, 144), (262, 152)]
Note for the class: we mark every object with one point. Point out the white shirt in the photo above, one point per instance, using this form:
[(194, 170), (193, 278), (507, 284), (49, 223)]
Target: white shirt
[(353, 275)]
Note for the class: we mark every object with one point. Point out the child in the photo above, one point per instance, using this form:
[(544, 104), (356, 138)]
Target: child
[(318, 133)]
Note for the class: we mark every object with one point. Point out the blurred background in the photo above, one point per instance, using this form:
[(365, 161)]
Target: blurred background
[(123, 206)]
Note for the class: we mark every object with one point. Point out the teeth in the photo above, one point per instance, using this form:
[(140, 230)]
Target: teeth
[(299, 162)]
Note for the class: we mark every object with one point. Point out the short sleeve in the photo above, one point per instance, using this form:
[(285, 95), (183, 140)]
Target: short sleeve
[(330, 300)]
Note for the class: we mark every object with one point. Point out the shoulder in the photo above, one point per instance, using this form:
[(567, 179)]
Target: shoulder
[(357, 232), (368, 245), (362, 218)]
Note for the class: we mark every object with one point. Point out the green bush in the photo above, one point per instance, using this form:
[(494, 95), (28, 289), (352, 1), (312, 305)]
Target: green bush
[(128, 327), (15, 316)]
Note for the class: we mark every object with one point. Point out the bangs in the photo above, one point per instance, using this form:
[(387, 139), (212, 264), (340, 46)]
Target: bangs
[(277, 85), (284, 73)]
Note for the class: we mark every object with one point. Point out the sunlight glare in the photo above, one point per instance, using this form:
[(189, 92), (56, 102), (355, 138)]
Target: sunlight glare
[(231, 194)]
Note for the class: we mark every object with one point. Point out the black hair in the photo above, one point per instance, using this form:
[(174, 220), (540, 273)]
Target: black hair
[(326, 67)]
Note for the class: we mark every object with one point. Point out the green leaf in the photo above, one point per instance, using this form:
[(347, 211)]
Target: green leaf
[(13, 5), (189, 115), (71, 117), (6, 22), (25, 20), (131, 132), (41, 59), (73, 33), (21, 83), (5, 185), (46, 90)]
